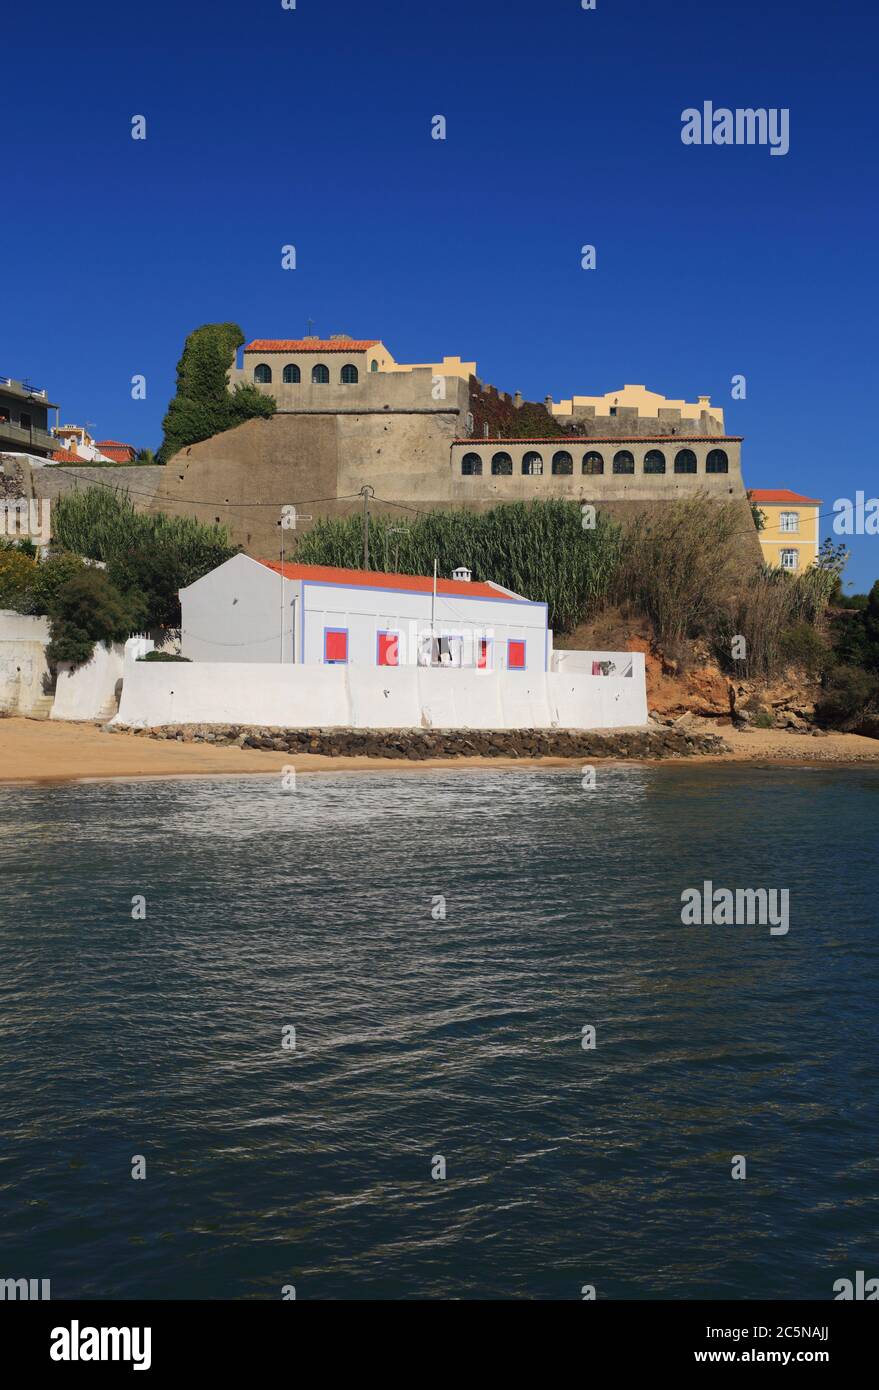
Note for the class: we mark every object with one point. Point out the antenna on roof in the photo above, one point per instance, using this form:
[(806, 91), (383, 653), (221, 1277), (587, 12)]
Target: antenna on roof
[(309, 323)]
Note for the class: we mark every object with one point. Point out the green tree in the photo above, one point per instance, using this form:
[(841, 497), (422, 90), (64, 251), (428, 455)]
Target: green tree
[(89, 609), (204, 405)]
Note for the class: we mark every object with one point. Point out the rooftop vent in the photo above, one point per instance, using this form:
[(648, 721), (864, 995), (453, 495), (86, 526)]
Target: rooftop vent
[(462, 574)]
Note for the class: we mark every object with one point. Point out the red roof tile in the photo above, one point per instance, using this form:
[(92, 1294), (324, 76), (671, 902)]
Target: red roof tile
[(119, 453), (67, 456), (373, 579), (310, 345), (763, 494)]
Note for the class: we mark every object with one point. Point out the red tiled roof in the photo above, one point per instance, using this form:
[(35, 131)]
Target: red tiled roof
[(583, 440), (310, 345), (115, 450), (781, 494), (373, 579), (67, 456)]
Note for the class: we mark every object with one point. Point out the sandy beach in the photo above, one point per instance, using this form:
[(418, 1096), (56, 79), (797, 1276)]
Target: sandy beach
[(46, 751)]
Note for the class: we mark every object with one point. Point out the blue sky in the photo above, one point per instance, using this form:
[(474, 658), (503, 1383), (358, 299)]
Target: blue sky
[(311, 126)]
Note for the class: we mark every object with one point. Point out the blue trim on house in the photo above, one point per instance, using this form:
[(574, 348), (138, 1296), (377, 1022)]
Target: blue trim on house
[(424, 593), (335, 663)]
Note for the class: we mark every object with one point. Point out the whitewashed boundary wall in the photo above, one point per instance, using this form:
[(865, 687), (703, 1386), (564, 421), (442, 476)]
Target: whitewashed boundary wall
[(23, 665), (158, 693), (89, 692)]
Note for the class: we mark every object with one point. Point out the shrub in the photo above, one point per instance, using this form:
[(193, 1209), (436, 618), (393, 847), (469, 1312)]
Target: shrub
[(162, 656), (677, 565), (49, 577), (777, 614), (848, 692), (89, 609), (17, 571), (801, 645)]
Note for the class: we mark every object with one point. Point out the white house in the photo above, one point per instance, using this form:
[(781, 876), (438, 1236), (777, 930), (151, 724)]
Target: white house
[(309, 646), (316, 615)]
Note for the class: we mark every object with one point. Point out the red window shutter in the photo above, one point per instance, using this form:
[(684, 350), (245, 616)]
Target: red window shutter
[(388, 649), (516, 656), (335, 646), (482, 659)]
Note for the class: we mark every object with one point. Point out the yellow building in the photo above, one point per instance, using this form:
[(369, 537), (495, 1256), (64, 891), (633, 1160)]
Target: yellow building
[(791, 531)]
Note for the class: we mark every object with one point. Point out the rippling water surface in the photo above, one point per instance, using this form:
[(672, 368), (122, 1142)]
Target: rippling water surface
[(459, 1038)]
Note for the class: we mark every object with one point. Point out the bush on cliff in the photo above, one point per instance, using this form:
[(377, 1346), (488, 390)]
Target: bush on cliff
[(679, 563), (204, 405)]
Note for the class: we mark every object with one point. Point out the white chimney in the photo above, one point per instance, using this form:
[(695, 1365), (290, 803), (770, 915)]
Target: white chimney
[(462, 574)]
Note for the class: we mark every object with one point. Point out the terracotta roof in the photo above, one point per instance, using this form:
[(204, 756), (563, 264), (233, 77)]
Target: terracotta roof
[(583, 440), (310, 345), (115, 450), (781, 494), (374, 579), (67, 456)]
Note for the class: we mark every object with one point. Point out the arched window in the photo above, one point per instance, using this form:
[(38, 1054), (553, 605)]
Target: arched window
[(654, 461), (262, 374), (685, 461), (320, 375), (593, 462), (350, 375), (502, 465), (562, 462), (717, 462), (623, 462), (292, 374), (471, 466), (373, 366), (532, 463)]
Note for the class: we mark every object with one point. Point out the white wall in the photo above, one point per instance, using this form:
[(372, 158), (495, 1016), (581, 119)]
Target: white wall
[(234, 614), (89, 691), (388, 698), (23, 664)]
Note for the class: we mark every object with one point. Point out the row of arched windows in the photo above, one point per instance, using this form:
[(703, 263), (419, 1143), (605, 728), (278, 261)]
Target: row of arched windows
[(320, 374), (593, 462)]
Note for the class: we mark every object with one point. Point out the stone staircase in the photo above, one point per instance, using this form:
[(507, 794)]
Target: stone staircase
[(41, 708)]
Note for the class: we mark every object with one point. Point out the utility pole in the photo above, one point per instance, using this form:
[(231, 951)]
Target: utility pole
[(366, 492)]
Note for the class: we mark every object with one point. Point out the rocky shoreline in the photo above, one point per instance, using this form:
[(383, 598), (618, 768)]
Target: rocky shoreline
[(421, 744)]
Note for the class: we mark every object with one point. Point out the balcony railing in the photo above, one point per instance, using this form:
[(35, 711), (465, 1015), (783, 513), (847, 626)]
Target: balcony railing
[(23, 386), (33, 435)]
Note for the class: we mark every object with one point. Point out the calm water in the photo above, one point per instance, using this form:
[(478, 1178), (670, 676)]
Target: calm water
[(418, 1037)]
